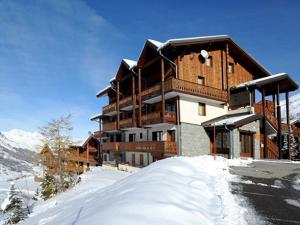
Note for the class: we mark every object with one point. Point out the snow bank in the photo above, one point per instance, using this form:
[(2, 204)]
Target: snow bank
[(296, 185), (178, 190)]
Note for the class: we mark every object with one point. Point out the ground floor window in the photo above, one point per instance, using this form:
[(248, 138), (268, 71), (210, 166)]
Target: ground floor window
[(222, 142), (157, 136), (133, 159), (141, 159)]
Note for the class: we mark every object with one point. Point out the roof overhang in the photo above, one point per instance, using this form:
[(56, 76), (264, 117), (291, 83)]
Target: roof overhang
[(286, 84)]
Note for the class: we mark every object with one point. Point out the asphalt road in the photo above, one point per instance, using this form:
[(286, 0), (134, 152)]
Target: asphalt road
[(268, 187)]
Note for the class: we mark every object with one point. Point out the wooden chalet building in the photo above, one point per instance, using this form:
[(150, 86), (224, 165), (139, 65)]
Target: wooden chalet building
[(188, 97), (76, 159)]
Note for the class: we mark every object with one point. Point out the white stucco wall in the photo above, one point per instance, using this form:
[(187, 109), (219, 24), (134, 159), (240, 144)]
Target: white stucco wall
[(189, 111)]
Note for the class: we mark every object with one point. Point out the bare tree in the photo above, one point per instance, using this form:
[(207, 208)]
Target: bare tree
[(57, 135)]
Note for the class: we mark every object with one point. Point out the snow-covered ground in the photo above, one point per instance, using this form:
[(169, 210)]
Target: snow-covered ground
[(179, 190)]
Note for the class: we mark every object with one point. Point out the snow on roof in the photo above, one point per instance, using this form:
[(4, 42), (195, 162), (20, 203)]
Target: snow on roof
[(96, 116), (158, 44), (130, 63), (232, 120), (102, 91), (193, 39), (229, 120), (264, 80)]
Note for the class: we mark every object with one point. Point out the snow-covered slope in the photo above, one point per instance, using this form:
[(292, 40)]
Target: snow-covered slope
[(24, 139), (173, 191), (294, 107)]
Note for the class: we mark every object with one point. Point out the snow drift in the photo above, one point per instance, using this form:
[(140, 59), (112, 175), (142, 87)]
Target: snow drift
[(178, 190)]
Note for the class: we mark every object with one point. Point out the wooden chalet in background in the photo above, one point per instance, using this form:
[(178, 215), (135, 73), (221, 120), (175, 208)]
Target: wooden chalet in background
[(76, 159), (170, 101)]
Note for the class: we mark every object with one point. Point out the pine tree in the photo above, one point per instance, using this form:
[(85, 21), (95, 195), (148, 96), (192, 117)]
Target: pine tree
[(294, 147), (15, 207), (36, 195), (48, 186)]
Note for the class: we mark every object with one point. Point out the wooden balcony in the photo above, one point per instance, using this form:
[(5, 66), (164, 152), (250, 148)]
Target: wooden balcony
[(191, 88), (107, 126), (125, 102), (151, 92), (154, 147), (156, 117), (126, 123), (109, 108), (273, 152)]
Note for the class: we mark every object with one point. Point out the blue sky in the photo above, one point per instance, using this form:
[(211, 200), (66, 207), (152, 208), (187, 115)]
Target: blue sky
[(56, 54)]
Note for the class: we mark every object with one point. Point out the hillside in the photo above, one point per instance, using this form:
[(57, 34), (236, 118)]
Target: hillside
[(294, 107), (175, 191)]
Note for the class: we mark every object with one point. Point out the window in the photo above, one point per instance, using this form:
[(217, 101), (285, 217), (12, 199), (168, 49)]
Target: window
[(230, 68), (202, 109), (157, 136), (131, 137), (200, 80), (141, 135), (208, 61), (170, 107), (222, 141)]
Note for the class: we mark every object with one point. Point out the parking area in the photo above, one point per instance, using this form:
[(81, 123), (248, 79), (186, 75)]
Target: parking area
[(272, 189)]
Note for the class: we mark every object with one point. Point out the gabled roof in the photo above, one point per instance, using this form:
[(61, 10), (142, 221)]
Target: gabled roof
[(103, 91), (149, 44)]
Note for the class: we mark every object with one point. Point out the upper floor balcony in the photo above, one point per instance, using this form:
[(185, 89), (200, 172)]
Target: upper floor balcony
[(174, 86), (154, 147)]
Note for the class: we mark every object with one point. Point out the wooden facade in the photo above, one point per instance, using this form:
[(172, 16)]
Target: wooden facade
[(148, 93)]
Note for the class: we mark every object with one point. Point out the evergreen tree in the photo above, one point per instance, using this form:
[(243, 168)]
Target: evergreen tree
[(294, 148), (14, 210), (48, 186), (36, 195)]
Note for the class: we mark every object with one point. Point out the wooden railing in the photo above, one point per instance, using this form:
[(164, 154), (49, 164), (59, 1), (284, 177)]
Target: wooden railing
[(170, 117), (258, 108), (156, 117), (125, 102), (151, 92), (191, 88), (284, 127), (125, 123), (109, 126), (154, 147), (109, 108), (273, 152)]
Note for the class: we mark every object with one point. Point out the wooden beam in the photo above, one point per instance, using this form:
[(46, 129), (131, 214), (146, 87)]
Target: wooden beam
[(288, 121), (222, 70), (163, 89), (264, 123), (118, 105), (227, 78), (133, 102), (274, 104), (140, 96), (278, 119)]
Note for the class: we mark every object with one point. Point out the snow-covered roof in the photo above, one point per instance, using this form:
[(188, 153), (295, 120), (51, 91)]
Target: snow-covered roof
[(103, 91), (194, 39), (158, 44), (266, 80), (231, 120), (96, 116), (130, 63)]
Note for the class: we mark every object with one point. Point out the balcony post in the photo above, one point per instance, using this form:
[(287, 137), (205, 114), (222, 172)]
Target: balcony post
[(287, 105), (264, 123), (278, 107), (227, 81), (133, 102), (140, 97), (118, 105), (163, 89)]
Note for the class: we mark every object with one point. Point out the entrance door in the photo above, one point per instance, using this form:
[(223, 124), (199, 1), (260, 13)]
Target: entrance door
[(171, 135), (246, 140)]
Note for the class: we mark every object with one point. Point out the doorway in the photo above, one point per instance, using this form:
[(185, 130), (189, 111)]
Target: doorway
[(246, 140)]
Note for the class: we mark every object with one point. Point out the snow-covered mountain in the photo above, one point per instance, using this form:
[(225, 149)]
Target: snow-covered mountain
[(294, 107), (24, 139)]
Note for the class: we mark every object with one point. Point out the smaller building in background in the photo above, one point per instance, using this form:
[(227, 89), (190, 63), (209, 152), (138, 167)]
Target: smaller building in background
[(76, 159)]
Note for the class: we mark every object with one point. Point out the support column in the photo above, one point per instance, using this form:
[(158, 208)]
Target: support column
[(163, 105), (288, 121), (278, 120), (227, 79), (118, 105), (133, 102), (140, 96), (264, 123), (274, 105)]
